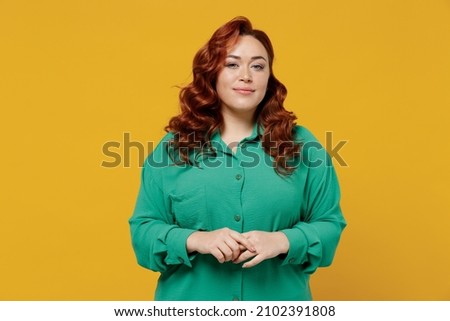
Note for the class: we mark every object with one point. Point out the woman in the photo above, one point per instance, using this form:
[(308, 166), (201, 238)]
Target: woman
[(236, 202)]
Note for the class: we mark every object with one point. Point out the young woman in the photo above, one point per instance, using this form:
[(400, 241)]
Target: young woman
[(237, 202)]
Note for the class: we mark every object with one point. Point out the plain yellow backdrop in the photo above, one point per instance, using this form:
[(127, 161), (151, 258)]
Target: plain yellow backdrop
[(77, 74)]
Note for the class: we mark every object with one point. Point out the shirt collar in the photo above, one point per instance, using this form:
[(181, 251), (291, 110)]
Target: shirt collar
[(256, 133), (219, 145)]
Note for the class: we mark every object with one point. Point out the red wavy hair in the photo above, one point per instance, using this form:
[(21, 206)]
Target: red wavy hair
[(200, 113)]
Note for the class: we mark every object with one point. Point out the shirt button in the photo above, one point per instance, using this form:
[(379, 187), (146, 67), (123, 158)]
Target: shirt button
[(237, 218), (291, 261), (235, 298), (181, 260), (238, 176)]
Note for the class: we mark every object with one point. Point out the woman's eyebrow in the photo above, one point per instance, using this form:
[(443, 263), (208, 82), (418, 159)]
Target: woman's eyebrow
[(252, 58)]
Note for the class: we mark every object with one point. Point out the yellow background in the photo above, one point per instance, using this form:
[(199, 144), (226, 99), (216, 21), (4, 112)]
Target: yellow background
[(77, 74)]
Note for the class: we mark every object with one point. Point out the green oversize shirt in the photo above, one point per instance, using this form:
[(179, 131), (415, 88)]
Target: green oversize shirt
[(243, 192)]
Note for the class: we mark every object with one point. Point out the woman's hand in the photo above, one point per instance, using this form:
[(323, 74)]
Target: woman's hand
[(267, 246), (224, 244)]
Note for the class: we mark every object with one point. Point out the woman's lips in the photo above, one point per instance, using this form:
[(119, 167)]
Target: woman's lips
[(244, 91)]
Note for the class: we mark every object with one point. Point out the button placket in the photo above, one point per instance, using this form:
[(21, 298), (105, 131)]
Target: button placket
[(239, 179), (237, 175)]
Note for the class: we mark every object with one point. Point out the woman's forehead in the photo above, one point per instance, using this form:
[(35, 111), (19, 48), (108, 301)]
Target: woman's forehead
[(247, 46)]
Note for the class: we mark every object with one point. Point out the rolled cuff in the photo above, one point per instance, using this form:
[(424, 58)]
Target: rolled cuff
[(305, 247), (176, 247)]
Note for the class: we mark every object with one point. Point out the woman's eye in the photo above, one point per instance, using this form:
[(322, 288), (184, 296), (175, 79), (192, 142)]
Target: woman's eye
[(258, 67), (231, 65)]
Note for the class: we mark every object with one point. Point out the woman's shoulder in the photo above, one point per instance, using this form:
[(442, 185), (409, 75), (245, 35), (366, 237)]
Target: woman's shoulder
[(310, 145), (304, 135), (314, 155), (158, 157)]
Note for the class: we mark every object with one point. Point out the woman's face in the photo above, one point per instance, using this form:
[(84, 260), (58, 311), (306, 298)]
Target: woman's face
[(242, 83)]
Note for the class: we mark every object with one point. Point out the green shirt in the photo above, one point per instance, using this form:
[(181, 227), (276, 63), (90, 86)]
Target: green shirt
[(240, 191)]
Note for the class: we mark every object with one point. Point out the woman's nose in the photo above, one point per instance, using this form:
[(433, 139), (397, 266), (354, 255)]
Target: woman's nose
[(245, 75)]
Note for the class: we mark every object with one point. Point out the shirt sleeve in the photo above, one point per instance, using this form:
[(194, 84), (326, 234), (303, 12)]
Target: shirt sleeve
[(157, 241), (314, 239)]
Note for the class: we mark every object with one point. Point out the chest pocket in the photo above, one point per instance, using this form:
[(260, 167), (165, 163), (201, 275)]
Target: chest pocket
[(189, 209)]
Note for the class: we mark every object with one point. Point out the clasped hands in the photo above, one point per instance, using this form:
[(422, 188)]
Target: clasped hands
[(228, 245)]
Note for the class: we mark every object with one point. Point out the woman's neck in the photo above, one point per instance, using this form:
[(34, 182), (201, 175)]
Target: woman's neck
[(236, 127)]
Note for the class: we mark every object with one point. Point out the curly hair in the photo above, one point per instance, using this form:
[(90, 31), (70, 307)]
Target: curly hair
[(200, 113)]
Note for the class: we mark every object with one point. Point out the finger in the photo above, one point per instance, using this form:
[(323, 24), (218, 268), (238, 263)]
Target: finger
[(218, 255), (256, 260), (242, 248), (244, 256), (244, 241), (226, 251), (234, 247), (248, 235)]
